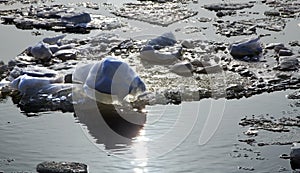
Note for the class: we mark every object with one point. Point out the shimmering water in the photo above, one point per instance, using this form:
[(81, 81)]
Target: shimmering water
[(58, 136), (176, 129)]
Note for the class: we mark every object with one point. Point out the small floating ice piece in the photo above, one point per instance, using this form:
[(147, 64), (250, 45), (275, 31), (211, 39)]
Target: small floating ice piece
[(183, 69), (77, 18), (154, 57), (251, 131), (31, 85), (53, 40), (250, 48), (41, 51), (66, 54), (273, 45)]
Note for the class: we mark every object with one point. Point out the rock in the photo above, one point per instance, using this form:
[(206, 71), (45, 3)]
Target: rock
[(183, 69), (77, 18), (246, 48), (41, 51), (61, 167)]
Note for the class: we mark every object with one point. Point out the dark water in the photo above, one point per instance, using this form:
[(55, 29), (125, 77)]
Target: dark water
[(169, 141)]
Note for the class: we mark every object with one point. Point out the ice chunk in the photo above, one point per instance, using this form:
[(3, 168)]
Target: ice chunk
[(250, 49)]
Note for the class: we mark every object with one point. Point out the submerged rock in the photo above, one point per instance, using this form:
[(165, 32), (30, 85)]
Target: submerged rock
[(249, 49), (61, 167)]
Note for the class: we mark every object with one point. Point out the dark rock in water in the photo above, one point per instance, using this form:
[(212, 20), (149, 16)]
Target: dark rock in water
[(77, 18), (61, 167), (246, 48), (228, 6)]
